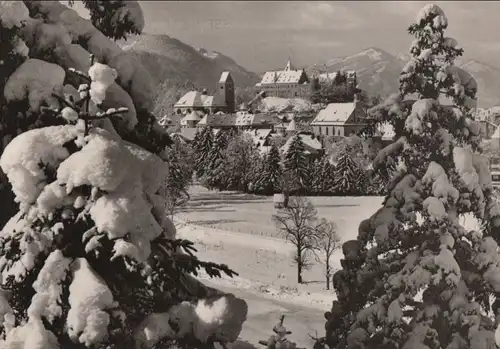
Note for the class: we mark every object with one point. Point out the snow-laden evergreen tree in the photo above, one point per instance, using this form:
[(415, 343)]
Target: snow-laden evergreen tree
[(269, 179), (115, 19), (201, 149), (346, 178), (316, 186), (13, 52), (296, 164), (324, 176), (90, 260), (238, 161), (415, 277), (214, 176), (180, 159)]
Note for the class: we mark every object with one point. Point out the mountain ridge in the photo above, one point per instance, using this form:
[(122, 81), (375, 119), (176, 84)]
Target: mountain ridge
[(179, 67), (378, 73)]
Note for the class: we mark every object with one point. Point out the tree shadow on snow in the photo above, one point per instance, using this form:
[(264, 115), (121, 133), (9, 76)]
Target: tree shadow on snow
[(214, 221), (337, 205), (207, 208), (224, 198)]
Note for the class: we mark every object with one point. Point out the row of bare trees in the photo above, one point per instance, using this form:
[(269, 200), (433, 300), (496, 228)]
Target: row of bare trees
[(313, 238)]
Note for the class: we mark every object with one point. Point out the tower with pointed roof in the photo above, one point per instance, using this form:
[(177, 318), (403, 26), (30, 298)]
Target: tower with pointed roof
[(289, 66)]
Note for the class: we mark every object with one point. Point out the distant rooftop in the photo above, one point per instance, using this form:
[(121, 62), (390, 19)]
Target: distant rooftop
[(286, 76), (334, 114)]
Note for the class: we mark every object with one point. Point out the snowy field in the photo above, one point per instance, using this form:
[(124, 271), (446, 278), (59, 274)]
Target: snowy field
[(238, 230)]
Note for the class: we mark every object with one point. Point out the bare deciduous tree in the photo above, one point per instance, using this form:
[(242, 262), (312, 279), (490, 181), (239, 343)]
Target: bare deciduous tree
[(328, 243), (298, 224)]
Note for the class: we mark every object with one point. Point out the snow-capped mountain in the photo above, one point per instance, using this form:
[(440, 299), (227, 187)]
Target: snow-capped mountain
[(377, 70), (488, 80), (173, 59), (378, 73), (179, 67)]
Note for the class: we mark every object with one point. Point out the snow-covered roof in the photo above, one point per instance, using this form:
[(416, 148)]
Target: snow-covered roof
[(282, 77), (289, 75), (311, 144), (334, 114), (259, 136), (281, 105), (244, 118), (204, 120), (224, 76), (198, 99)]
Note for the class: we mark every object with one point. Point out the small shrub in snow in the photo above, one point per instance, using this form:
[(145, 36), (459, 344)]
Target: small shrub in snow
[(279, 340)]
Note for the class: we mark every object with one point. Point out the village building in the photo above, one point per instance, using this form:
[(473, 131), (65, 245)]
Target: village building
[(240, 121), (287, 83), (340, 119), (261, 137), (223, 100)]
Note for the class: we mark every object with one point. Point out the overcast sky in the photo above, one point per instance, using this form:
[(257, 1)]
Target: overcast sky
[(262, 35)]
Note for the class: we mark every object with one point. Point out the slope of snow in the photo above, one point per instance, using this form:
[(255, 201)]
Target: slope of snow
[(371, 53), (278, 104)]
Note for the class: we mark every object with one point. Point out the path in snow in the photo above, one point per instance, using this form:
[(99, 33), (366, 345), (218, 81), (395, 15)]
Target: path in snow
[(264, 313)]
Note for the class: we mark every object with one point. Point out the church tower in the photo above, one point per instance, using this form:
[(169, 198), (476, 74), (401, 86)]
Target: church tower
[(226, 88), (289, 65)]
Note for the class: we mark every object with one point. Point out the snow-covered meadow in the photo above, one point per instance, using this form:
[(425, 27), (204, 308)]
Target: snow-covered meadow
[(237, 230)]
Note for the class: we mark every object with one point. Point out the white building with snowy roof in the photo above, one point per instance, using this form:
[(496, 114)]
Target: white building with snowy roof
[(223, 100), (339, 119), (287, 83)]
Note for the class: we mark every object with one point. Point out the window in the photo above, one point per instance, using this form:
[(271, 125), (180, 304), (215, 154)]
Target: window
[(338, 131), (319, 129), (326, 131), (495, 177)]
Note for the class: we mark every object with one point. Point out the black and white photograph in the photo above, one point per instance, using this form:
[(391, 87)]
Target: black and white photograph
[(249, 174)]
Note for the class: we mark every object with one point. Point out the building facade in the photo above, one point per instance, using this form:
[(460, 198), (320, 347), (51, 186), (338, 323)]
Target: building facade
[(223, 100), (340, 119), (286, 83)]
